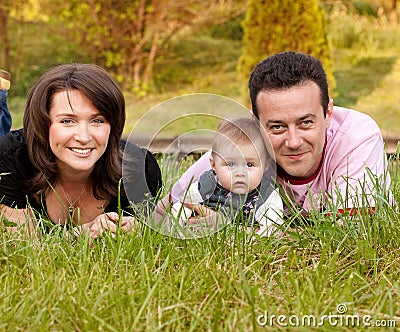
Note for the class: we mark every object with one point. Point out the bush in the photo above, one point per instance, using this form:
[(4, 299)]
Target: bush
[(278, 26)]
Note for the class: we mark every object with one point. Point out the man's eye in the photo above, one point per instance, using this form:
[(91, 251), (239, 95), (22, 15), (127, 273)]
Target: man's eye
[(250, 164), (306, 122), (230, 164), (276, 128)]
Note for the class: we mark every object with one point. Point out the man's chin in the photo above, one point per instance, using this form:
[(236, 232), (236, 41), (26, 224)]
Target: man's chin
[(303, 169), (297, 172)]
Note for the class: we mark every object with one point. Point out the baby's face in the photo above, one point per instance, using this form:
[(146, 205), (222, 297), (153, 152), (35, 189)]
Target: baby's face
[(239, 167)]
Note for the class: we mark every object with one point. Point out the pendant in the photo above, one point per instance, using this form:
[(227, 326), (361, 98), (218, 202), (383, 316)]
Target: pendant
[(71, 209)]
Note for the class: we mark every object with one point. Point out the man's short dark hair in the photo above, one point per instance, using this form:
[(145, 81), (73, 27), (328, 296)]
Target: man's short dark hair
[(282, 71)]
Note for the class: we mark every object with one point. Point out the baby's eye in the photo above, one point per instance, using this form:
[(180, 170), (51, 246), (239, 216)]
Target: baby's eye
[(250, 164), (230, 164)]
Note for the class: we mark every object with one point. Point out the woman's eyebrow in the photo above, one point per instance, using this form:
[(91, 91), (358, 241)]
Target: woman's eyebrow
[(59, 115)]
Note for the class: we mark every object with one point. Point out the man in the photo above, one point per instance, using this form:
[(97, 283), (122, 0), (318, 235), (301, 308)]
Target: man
[(328, 158), (5, 117)]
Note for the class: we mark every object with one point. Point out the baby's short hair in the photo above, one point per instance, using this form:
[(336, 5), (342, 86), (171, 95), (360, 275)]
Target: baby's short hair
[(240, 130)]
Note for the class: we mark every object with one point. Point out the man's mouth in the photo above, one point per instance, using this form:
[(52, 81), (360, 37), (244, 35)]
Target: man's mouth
[(294, 156)]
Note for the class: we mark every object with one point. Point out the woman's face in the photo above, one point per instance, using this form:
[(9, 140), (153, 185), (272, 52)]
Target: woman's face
[(78, 133)]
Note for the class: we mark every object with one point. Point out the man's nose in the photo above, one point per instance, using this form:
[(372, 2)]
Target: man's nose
[(293, 140)]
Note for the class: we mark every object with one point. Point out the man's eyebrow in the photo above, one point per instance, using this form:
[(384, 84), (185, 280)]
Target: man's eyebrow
[(308, 115)]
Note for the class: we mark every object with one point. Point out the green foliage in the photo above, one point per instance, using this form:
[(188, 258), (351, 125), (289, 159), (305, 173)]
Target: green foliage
[(349, 29), (127, 36), (365, 54), (278, 26), (231, 29), (366, 8), (110, 31)]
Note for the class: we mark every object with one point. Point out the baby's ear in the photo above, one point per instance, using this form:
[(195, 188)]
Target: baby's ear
[(212, 162)]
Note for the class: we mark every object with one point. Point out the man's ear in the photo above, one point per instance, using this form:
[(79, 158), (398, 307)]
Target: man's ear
[(329, 113)]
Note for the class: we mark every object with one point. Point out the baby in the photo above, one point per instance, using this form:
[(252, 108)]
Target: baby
[(240, 179)]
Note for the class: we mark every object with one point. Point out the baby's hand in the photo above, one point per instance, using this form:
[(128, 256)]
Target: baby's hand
[(179, 210), (199, 210)]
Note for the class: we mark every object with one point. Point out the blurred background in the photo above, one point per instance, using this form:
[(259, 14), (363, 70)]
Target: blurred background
[(159, 49)]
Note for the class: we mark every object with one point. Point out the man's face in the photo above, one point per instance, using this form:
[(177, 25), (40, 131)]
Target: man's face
[(296, 126)]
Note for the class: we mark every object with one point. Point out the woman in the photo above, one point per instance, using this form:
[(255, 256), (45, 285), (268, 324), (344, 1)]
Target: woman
[(66, 162)]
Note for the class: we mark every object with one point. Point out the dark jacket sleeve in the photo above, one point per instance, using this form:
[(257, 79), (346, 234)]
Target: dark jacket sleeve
[(15, 170), (141, 174), (153, 174)]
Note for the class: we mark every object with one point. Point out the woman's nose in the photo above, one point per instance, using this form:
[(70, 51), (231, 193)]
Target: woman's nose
[(83, 134)]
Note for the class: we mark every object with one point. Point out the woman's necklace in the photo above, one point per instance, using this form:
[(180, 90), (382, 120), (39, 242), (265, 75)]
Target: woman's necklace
[(72, 206)]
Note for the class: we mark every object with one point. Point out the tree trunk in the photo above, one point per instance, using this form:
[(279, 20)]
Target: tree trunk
[(394, 16), (151, 60), (5, 42)]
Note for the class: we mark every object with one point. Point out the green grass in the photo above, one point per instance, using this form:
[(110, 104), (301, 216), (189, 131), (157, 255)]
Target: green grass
[(229, 281)]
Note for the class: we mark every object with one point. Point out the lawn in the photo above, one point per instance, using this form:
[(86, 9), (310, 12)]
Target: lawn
[(343, 278), (323, 275)]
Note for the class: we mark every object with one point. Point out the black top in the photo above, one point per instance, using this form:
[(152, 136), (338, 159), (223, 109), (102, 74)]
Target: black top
[(16, 170)]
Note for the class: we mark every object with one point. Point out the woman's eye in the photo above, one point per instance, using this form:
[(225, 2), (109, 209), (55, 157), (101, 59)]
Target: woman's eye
[(229, 164), (250, 164), (66, 121), (98, 120)]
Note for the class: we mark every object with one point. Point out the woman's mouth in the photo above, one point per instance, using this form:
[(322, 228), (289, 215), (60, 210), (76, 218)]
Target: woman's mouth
[(82, 152)]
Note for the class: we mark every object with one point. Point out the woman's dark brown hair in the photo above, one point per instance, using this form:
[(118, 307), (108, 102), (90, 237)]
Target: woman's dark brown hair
[(102, 90)]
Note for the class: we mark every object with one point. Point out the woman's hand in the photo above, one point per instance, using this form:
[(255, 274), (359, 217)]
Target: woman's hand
[(128, 223), (106, 222), (96, 228), (18, 220)]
